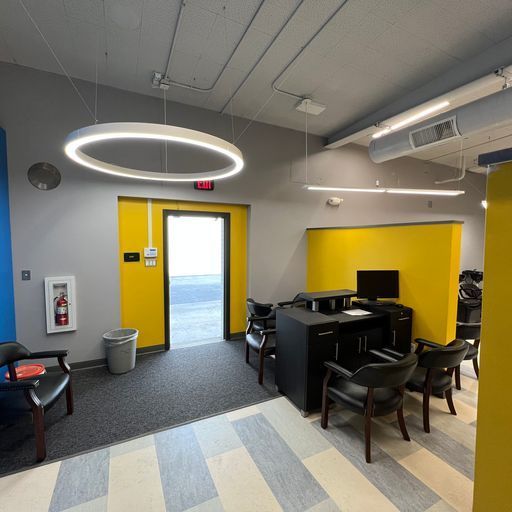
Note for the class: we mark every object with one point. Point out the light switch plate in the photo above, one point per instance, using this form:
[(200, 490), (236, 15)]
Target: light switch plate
[(26, 275)]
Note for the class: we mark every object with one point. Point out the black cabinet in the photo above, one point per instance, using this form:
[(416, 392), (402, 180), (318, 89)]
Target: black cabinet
[(305, 340), (397, 326)]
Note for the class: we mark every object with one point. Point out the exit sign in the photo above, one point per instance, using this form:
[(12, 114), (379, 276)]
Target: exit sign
[(204, 185)]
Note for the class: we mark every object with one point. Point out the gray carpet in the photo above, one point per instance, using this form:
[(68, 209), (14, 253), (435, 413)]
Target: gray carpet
[(165, 389)]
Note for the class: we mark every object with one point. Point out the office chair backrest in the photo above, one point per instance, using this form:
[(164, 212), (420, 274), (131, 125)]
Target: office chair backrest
[(259, 308), (468, 332), (445, 357), (386, 375), (11, 352)]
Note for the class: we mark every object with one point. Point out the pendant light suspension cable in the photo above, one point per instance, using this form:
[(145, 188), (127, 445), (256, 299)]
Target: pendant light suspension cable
[(63, 69)]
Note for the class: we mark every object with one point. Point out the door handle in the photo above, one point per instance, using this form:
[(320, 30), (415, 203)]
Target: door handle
[(394, 338), (337, 351), (366, 343), (360, 340)]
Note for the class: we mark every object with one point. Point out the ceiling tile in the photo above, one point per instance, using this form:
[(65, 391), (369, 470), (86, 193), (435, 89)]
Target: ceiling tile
[(90, 11), (271, 18), (183, 66), (445, 30), (250, 49), (160, 11), (224, 37)]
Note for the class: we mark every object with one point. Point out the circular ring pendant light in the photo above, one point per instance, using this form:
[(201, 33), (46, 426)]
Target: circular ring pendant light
[(76, 140)]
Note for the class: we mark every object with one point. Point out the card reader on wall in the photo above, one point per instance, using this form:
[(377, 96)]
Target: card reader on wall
[(150, 255)]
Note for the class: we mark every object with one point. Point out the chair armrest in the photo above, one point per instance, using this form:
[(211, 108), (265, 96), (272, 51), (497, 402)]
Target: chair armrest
[(47, 354), (338, 370), (392, 357), (432, 344), (422, 343), (19, 385), (266, 332), (286, 303), (259, 318)]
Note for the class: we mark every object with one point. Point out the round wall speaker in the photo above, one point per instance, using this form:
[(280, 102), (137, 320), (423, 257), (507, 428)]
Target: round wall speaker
[(44, 176)]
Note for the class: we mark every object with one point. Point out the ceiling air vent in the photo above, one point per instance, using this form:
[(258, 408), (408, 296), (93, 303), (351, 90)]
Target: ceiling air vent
[(434, 133)]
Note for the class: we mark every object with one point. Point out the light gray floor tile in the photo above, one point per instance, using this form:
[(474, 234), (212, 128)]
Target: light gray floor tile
[(130, 446), (442, 445), (81, 479), (394, 481), (325, 506), (292, 484), (213, 505), (97, 505), (186, 481), (216, 435), (297, 431)]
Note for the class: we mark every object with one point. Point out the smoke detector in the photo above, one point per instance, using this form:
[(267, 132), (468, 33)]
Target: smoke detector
[(310, 106)]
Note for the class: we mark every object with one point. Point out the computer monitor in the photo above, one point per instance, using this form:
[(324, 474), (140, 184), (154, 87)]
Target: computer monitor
[(375, 284)]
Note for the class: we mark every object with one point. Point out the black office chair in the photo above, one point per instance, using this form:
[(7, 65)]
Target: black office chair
[(434, 372), (374, 390), (264, 344), (469, 332), (297, 301), (261, 316), (22, 400)]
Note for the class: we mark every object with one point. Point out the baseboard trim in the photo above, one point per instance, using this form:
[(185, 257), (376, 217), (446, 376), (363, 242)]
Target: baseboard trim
[(94, 363), (150, 350)]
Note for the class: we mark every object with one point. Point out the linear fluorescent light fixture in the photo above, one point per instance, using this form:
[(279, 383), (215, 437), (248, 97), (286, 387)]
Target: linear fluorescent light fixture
[(411, 119), (412, 191), (425, 192), (346, 189)]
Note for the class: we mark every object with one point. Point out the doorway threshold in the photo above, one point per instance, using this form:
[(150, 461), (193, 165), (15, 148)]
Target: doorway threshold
[(196, 343)]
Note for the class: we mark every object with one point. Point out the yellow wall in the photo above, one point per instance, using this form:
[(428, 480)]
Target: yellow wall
[(493, 470), (427, 256), (142, 288)]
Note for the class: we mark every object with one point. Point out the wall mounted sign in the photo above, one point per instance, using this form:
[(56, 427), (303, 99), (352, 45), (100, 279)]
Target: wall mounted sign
[(204, 185)]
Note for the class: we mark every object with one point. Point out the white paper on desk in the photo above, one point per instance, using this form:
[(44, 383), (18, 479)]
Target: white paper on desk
[(357, 312)]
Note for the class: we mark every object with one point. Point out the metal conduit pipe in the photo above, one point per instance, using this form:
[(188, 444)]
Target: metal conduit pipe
[(260, 58), (458, 178), (173, 44), (324, 24)]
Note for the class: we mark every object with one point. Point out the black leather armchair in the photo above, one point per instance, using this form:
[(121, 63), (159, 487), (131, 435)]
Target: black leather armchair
[(374, 390), (264, 344), (261, 316), (28, 400), (469, 332), (435, 371)]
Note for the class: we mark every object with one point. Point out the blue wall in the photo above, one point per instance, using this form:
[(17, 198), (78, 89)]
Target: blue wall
[(7, 320)]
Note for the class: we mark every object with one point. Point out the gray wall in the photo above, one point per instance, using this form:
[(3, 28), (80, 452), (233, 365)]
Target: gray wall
[(73, 229)]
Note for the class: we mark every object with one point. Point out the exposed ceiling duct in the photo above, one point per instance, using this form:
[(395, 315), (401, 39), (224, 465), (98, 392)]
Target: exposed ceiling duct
[(486, 113)]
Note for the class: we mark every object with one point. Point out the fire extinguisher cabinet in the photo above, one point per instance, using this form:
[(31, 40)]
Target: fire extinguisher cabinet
[(121, 348)]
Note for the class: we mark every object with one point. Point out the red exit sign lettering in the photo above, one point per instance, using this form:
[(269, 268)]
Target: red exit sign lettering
[(204, 185)]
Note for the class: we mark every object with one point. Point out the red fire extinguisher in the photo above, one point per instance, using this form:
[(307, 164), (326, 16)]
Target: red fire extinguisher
[(61, 310)]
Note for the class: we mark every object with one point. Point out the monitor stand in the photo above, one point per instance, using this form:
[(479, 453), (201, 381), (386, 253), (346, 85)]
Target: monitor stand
[(375, 302)]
